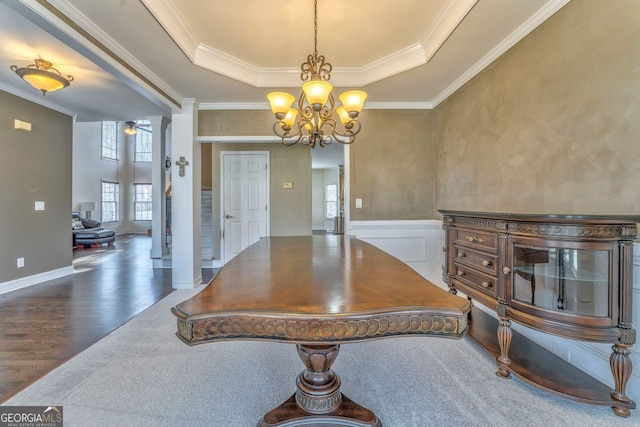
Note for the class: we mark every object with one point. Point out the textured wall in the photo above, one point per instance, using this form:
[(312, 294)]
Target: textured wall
[(392, 166), (235, 122), (34, 166), (552, 125)]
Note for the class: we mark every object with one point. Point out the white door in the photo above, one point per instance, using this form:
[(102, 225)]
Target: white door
[(245, 207)]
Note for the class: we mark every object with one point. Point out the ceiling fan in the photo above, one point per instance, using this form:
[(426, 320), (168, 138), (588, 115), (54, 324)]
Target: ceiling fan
[(133, 127)]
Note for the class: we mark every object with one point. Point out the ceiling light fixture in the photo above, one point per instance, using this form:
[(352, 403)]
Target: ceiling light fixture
[(41, 75), (316, 105), (131, 128)]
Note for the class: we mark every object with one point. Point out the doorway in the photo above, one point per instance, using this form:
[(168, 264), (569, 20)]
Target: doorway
[(245, 200), (327, 193)]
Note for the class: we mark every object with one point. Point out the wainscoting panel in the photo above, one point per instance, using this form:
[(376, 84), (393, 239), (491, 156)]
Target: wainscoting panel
[(414, 242)]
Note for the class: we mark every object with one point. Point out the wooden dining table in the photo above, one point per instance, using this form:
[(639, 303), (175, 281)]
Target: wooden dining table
[(319, 292)]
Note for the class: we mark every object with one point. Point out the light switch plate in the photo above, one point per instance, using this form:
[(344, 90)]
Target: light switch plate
[(358, 203), (39, 206)]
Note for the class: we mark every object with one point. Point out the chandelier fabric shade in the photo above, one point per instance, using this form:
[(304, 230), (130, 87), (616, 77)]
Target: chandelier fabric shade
[(43, 76), (313, 121)]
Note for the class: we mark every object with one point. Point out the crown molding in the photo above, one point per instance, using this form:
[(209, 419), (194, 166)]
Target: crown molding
[(521, 32), (405, 59), (446, 22), (222, 63), (398, 106), (265, 106), (170, 18), (234, 106), (68, 19), (40, 100), (213, 59)]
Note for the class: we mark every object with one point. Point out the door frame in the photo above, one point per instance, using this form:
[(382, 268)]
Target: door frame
[(221, 189)]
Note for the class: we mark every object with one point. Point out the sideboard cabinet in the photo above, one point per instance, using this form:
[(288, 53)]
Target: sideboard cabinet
[(567, 275)]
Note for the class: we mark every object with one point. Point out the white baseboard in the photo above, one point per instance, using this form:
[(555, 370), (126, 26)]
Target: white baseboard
[(24, 282), (187, 284)]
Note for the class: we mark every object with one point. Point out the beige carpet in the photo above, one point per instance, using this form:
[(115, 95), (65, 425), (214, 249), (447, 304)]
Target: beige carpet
[(142, 375)]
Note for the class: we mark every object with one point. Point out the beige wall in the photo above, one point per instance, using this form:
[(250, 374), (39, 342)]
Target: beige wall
[(552, 126), (206, 171), (392, 165), (290, 208), (235, 122), (34, 166)]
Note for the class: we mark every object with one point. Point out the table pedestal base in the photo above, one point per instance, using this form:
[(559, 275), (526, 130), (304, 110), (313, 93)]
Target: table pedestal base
[(318, 400)]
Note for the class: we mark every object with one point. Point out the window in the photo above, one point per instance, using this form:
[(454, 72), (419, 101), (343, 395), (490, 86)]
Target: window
[(142, 204), (143, 142), (109, 140), (331, 200), (110, 201)]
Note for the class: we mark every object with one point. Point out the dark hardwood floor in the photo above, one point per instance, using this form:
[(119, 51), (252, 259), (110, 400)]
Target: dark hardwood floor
[(45, 325)]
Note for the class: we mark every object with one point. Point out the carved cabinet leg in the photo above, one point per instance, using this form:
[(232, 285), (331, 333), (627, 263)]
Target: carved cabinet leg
[(621, 368), (505, 336)]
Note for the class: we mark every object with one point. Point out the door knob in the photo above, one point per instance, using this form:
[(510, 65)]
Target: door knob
[(228, 216)]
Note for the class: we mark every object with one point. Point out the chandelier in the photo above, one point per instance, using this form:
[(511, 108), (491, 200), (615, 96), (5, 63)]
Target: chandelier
[(316, 106), (41, 75)]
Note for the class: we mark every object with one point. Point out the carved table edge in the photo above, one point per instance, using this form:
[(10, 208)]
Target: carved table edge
[(317, 329)]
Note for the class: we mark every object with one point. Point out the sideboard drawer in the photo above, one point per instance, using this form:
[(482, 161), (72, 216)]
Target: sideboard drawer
[(478, 239), (482, 282), (482, 261)]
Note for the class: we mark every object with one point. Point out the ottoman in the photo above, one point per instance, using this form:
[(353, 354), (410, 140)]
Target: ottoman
[(94, 237)]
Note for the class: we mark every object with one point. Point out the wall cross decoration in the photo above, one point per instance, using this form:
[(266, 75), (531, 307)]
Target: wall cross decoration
[(182, 163)]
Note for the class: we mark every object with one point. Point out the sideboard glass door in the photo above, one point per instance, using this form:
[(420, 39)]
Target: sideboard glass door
[(562, 280)]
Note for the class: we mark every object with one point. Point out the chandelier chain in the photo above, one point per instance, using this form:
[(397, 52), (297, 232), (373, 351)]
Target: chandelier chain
[(315, 27)]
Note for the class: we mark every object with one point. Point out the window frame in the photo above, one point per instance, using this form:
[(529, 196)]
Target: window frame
[(105, 203), (143, 138), (136, 202), (109, 147), (330, 200)]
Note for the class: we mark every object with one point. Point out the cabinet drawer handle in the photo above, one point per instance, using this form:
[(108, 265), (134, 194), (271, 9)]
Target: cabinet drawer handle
[(486, 285), (461, 255), (486, 263), (474, 239), (460, 273), (506, 270)]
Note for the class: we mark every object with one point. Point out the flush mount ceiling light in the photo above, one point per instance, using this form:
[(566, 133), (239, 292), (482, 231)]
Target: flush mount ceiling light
[(316, 105), (43, 76)]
